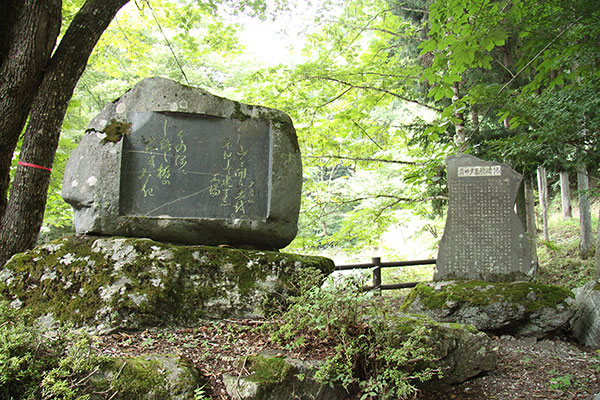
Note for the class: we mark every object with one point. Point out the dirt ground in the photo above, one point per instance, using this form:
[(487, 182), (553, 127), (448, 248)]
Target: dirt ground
[(526, 368)]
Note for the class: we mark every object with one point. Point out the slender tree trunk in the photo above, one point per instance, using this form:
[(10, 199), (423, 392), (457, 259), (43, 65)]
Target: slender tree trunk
[(522, 205), (585, 216), (598, 249), (542, 177), (34, 33), (24, 214), (565, 194), (475, 120), (459, 137), (530, 227)]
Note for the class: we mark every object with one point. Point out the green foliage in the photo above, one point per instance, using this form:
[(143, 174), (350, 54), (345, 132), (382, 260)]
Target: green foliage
[(421, 273), (324, 312), (524, 70), (359, 112), (366, 357), (36, 364), (62, 364), (560, 382), (200, 393)]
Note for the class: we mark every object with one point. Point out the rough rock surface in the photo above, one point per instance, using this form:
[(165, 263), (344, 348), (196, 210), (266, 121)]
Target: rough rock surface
[(585, 325), (274, 376), (460, 351), (147, 377), (131, 283), (176, 182), (517, 308)]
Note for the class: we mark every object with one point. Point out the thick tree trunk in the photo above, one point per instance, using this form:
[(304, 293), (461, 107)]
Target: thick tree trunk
[(530, 227), (24, 214), (543, 197), (585, 216), (10, 11), (32, 39), (565, 194)]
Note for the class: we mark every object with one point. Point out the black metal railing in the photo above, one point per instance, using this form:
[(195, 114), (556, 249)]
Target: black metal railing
[(376, 264)]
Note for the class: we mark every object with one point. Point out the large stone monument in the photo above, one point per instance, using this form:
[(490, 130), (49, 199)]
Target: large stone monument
[(483, 238), (177, 164)]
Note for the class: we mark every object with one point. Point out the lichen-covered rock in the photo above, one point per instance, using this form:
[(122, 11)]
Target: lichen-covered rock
[(515, 308), (458, 351), (149, 377), (585, 325), (177, 164), (274, 376), (131, 283)]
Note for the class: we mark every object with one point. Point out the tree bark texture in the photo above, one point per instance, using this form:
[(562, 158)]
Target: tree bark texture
[(530, 211), (25, 210), (542, 177), (460, 137), (522, 205), (9, 13), (32, 39), (585, 216), (565, 194), (598, 249)]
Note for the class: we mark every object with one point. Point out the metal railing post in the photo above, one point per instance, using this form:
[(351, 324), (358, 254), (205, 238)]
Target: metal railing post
[(377, 273)]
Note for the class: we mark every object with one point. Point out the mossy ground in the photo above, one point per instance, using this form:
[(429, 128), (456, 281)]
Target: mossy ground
[(268, 370), (132, 378), (533, 296)]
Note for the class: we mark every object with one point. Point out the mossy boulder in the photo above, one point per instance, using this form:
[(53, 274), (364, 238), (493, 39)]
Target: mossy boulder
[(515, 308), (585, 324), (454, 351), (130, 283), (275, 376), (149, 377), (458, 352)]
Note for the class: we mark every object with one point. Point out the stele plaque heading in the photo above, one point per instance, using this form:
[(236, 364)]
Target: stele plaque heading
[(495, 170)]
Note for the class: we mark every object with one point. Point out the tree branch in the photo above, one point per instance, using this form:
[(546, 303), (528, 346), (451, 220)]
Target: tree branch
[(539, 54), (523, 69), (367, 159), (376, 89), (334, 99), (363, 130)]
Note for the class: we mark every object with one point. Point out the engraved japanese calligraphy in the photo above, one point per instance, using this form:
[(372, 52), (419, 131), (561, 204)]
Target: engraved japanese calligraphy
[(190, 166), (483, 237)]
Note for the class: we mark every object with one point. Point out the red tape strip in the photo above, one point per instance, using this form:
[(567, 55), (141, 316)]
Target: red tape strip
[(26, 164)]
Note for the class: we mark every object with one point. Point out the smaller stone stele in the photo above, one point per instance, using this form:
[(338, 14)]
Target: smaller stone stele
[(483, 237), (177, 164)]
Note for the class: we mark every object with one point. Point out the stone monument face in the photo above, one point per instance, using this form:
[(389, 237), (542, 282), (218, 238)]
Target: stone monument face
[(483, 238), (177, 164)]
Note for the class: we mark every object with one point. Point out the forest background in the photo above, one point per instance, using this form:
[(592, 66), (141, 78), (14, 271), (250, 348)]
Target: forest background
[(381, 92)]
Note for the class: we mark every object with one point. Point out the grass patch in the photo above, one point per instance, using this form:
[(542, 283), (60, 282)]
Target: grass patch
[(559, 261)]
